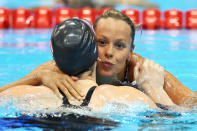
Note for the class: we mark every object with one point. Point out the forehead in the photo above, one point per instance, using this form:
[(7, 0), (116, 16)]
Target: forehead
[(113, 27)]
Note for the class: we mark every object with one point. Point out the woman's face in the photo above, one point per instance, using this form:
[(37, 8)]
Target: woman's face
[(114, 43)]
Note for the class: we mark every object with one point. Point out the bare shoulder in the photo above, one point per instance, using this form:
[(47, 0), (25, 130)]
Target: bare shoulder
[(117, 89), (122, 94), (112, 92), (23, 90)]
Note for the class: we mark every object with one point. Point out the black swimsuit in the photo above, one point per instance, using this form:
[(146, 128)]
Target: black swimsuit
[(86, 101)]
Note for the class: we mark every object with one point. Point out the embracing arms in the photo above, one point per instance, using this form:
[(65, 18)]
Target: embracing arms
[(178, 93), (49, 75)]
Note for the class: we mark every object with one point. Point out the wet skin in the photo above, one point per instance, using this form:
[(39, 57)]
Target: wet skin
[(114, 46)]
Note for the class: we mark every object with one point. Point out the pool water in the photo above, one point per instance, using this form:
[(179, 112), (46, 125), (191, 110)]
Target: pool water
[(21, 51)]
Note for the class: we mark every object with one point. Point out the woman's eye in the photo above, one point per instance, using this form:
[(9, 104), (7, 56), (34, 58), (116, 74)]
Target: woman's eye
[(101, 42), (120, 45)]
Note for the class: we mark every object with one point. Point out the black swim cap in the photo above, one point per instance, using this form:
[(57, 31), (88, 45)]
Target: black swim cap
[(74, 46)]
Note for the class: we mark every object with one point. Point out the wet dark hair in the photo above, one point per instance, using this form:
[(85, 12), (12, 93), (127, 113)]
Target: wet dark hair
[(73, 44), (112, 13)]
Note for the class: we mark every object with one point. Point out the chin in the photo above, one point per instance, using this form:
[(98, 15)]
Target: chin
[(106, 73)]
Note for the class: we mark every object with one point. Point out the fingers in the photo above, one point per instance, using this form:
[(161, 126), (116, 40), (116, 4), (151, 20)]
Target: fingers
[(146, 64), (69, 87), (74, 78), (147, 68), (70, 90), (61, 86), (55, 89), (74, 86), (151, 65), (64, 82)]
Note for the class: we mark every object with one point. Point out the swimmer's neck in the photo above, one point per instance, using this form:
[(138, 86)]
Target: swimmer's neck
[(90, 74), (84, 83), (114, 79), (100, 79)]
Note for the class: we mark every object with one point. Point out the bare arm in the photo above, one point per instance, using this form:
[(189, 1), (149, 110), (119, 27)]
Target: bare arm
[(49, 75), (179, 93), (27, 80), (173, 87)]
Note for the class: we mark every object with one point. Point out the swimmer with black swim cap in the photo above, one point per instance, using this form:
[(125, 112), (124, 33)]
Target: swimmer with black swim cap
[(74, 46)]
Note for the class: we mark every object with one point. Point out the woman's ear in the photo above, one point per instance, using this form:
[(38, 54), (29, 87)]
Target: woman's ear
[(132, 47)]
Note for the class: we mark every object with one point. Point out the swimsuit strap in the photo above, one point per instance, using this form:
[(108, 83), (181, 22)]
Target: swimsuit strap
[(126, 72), (125, 81), (162, 106), (86, 101), (65, 100), (66, 103)]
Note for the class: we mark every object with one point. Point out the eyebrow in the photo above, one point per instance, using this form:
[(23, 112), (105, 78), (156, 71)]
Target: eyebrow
[(120, 40), (117, 40), (102, 37)]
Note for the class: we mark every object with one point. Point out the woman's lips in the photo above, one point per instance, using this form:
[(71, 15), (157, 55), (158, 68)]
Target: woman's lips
[(107, 65)]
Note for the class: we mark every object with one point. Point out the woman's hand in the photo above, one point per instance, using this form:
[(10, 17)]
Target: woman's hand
[(63, 82), (149, 72), (150, 78)]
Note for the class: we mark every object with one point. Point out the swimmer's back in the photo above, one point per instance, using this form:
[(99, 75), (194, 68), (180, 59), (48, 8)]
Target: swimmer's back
[(121, 94), (101, 95)]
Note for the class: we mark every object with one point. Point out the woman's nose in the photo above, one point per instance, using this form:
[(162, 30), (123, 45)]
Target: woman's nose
[(109, 51)]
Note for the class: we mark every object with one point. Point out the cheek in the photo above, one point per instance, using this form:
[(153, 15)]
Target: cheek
[(122, 56), (100, 51)]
